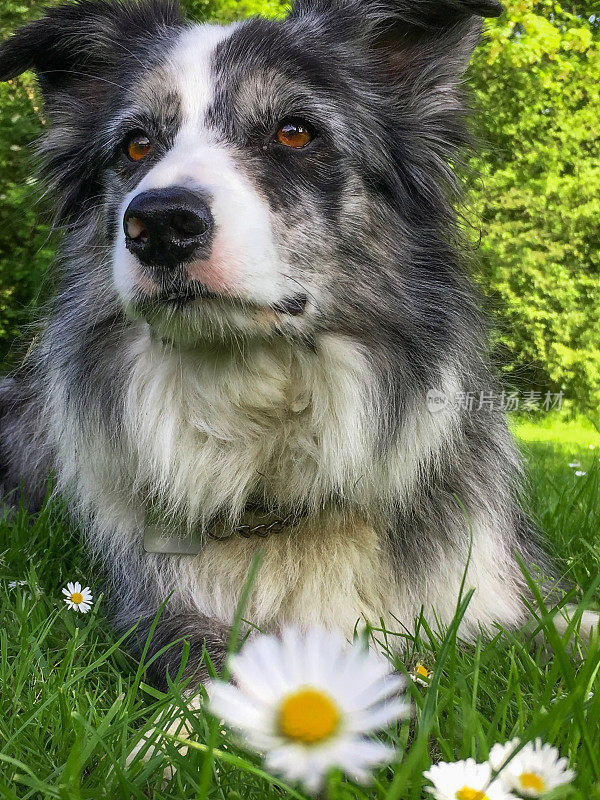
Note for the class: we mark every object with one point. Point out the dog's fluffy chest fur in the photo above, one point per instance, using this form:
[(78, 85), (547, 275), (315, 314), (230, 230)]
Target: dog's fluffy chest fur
[(331, 571), (210, 432)]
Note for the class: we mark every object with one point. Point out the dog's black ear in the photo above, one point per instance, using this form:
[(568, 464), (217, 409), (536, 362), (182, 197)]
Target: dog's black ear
[(433, 37), (82, 36), (419, 14)]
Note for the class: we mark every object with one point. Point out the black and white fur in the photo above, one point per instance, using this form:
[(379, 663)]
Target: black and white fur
[(206, 407)]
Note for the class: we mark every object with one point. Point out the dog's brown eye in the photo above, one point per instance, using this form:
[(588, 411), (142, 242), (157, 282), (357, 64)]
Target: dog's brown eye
[(294, 134), (138, 146)]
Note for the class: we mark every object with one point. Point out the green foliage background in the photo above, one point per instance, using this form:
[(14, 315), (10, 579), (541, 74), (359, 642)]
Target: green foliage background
[(537, 89), (534, 191)]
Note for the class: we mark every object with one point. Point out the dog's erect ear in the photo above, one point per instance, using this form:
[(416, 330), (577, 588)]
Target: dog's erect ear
[(419, 14), (83, 36), (410, 34)]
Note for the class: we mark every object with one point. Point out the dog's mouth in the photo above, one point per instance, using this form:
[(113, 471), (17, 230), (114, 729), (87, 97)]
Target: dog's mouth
[(180, 295), (183, 295)]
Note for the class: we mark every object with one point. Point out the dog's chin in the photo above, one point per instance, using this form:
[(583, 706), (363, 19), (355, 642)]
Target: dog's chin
[(192, 315)]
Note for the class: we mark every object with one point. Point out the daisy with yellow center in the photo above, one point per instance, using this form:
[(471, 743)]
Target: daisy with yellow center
[(465, 780), (534, 771), (77, 598), (308, 716), (421, 674), (309, 702)]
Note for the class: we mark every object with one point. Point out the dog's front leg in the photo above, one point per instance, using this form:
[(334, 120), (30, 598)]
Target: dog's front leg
[(202, 634), (167, 642), (171, 723)]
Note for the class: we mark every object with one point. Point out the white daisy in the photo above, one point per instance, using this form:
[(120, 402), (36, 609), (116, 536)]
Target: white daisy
[(574, 464), (77, 598), (500, 753), (465, 780), (308, 703), (534, 771), (421, 674), (34, 587), (580, 473)]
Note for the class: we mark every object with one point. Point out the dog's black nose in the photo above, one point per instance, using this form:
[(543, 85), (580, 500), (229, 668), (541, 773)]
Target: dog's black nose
[(167, 227)]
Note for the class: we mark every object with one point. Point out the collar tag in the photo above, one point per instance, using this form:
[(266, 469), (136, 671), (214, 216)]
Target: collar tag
[(162, 536)]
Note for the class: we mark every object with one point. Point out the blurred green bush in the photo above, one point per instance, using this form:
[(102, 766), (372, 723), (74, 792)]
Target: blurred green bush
[(536, 81), (534, 193), (25, 246)]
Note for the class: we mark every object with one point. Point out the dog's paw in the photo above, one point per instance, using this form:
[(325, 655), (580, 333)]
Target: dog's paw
[(169, 723)]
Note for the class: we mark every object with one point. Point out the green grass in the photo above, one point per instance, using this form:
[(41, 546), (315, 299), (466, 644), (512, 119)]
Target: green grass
[(73, 703), (566, 506)]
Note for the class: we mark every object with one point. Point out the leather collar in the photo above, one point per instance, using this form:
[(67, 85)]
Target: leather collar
[(165, 535)]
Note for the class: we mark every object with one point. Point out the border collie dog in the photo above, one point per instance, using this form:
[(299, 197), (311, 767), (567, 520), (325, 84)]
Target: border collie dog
[(261, 284)]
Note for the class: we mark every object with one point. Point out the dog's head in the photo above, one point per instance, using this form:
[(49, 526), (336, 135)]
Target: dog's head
[(267, 176)]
